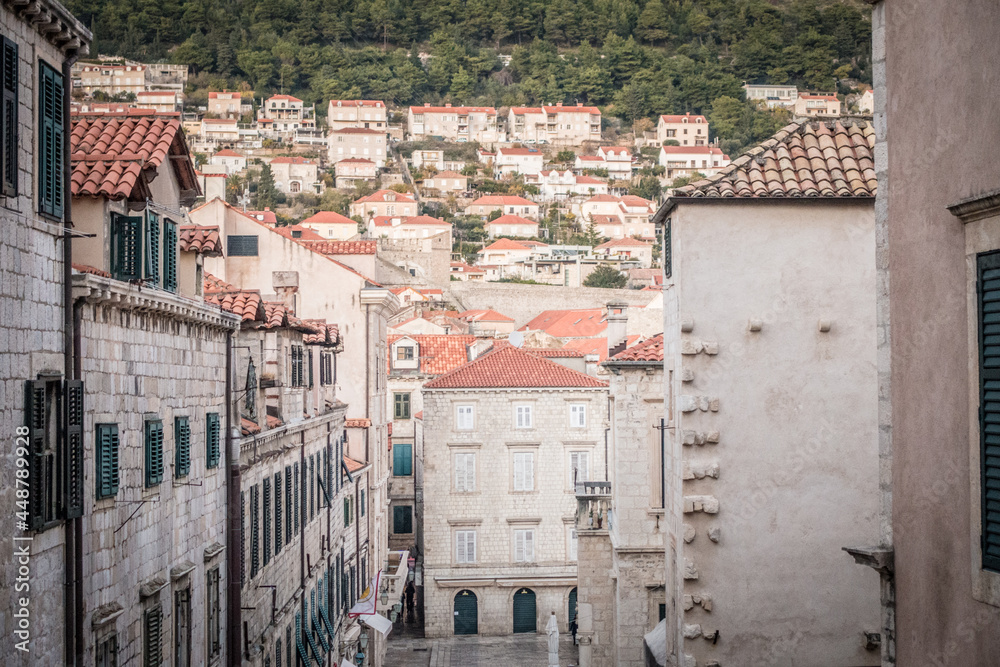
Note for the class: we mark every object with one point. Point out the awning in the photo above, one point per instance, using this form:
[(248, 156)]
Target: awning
[(656, 644)]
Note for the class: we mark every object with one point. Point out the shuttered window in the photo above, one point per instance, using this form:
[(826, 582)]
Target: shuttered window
[(8, 118), (106, 464), (309, 359), (524, 471), (312, 487), (464, 419), (401, 403), (153, 446), (73, 400), (107, 652), (50, 141), (243, 538), (212, 444), (347, 512), (267, 520), (214, 603), (296, 499), (402, 519), (151, 257), (402, 459), (126, 247), (465, 546), (577, 415), (989, 405), (524, 545), (170, 256), (254, 531), (465, 472), (241, 246), (579, 467), (523, 416), (182, 447), (152, 650), (289, 526), (277, 513)]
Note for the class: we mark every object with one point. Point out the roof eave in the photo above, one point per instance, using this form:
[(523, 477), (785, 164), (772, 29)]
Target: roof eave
[(671, 202)]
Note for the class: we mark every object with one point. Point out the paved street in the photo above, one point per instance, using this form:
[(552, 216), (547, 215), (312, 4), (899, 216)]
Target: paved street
[(472, 651)]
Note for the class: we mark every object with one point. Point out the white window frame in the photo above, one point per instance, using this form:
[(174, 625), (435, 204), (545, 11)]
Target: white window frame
[(524, 416), (463, 539), (574, 464), (578, 415), (524, 545), (523, 471), (464, 465), (461, 412), (572, 544)]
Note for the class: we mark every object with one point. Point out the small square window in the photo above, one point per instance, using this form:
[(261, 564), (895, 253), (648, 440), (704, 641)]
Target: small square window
[(523, 416), (464, 417)]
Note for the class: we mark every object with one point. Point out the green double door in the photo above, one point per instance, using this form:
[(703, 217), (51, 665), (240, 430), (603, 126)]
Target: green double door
[(466, 613), (524, 611)]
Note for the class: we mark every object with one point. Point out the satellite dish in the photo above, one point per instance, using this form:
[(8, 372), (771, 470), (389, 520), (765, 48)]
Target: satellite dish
[(516, 338)]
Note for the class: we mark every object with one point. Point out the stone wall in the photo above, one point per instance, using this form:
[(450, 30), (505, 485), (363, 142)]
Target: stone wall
[(598, 589)]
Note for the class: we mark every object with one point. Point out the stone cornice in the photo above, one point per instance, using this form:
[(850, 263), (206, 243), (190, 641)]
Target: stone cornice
[(977, 208), (55, 23), (98, 290)]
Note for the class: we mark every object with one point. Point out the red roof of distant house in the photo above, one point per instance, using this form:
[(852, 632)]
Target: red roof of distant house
[(465, 268), (357, 103), (569, 323), (329, 218), (694, 150), (427, 108), (381, 196), (484, 316), (291, 160), (602, 197), (327, 247), (606, 219), (358, 130), (440, 353), (632, 200), (351, 464), (612, 150), (520, 111), (521, 151), (447, 174), (359, 422), (225, 152), (628, 242), (510, 219), (650, 349), (667, 118), (155, 93), (205, 240), (811, 96), (386, 220), (579, 108), (598, 346), (214, 284), (509, 367), (356, 160), (287, 98), (266, 216), (505, 244), (299, 233), (590, 158), (502, 200), (233, 95), (589, 180)]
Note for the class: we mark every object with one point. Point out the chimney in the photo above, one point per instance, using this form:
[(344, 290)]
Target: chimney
[(617, 328), (286, 284), (591, 361), (215, 187)]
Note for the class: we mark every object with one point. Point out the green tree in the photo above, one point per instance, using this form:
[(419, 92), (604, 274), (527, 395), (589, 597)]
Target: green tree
[(652, 26), (461, 84), (267, 194), (605, 276), (648, 188), (565, 156)]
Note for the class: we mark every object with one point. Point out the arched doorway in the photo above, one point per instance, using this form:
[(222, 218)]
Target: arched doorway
[(572, 605), (466, 613), (524, 611)]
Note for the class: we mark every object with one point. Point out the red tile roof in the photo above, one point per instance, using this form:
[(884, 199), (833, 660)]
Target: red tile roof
[(352, 465), (450, 109), (439, 353), (323, 333), (511, 219), (245, 303), (521, 151), (232, 95), (291, 160), (608, 198), (266, 216), (502, 200), (694, 150), (569, 323), (650, 349), (386, 220), (358, 130), (356, 160), (204, 240), (361, 422), (357, 103), (287, 98), (632, 200), (807, 160), (505, 244), (344, 247), (381, 196), (329, 217), (509, 367), (113, 154), (213, 284), (304, 233), (448, 174), (273, 422), (628, 241), (465, 268), (484, 316), (579, 108), (598, 346), (666, 118), (86, 268), (249, 427), (225, 152)]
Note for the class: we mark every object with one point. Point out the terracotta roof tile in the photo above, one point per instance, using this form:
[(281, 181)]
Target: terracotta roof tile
[(362, 422), (511, 219), (303, 233), (502, 200), (440, 354), (274, 422), (627, 241), (488, 315), (323, 333), (343, 247), (329, 217), (598, 346), (650, 349), (213, 284), (585, 323), (387, 196), (506, 244), (808, 159), (85, 268), (249, 427), (509, 367), (245, 303), (352, 465), (205, 240)]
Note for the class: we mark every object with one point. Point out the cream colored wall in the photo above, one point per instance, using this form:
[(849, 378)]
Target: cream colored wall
[(793, 411)]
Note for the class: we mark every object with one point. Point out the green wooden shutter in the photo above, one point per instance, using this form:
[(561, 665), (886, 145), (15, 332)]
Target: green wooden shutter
[(212, 440), (106, 464), (668, 254), (289, 529), (153, 444), (170, 256), (312, 487), (35, 413), (296, 469), (317, 627), (402, 459), (989, 406), (303, 654), (254, 532), (347, 512), (243, 538), (182, 446), (126, 247), (73, 402), (267, 520), (402, 519), (8, 119), (277, 513), (151, 254), (152, 651), (50, 154)]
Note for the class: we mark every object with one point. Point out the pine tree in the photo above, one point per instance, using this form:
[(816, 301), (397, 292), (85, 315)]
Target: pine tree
[(267, 193)]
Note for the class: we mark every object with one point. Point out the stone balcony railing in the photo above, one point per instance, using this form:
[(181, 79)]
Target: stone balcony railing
[(393, 581), (593, 506)]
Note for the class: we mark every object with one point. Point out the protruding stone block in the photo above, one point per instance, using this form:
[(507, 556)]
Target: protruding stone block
[(687, 323), (755, 324), (690, 571), (691, 631), (689, 437), (703, 403), (825, 326), (710, 347), (688, 403), (689, 533), (689, 346), (714, 533), (687, 375), (713, 404), (688, 603), (712, 437)]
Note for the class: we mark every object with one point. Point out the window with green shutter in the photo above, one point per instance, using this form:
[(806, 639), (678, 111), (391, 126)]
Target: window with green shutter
[(402, 406), (296, 494), (73, 454), (668, 255), (989, 406), (402, 519), (182, 447), (50, 141), (347, 512), (243, 538), (212, 444), (267, 520), (289, 530), (8, 118), (151, 243), (312, 487), (254, 531), (106, 465), (126, 247), (152, 651), (153, 445), (277, 513), (402, 459), (170, 255)]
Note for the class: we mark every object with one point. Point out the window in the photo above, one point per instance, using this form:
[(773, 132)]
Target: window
[(347, 512), (106, 464), (267, 520), (402, 519), (524, 545), (212, 440), (401, 403), (182, 447), (50, 141), (988, 266), (277, 513), (465, 471), (296, 498), (524, 471), (402, 459), (243, 538), (578, 415), (151, 243), (465, 546), (126, 247), (523, 416), (404, 353), (464, 417), (153, 445), (297, 375), (8, 119), (106, 654), (152, 651), (325, 368), (362, 508), (170, 256), (213, 604), (254, 531), (288, 505), (571, 544), (182, 627), (241, 246), (579, 467), (312, 487)]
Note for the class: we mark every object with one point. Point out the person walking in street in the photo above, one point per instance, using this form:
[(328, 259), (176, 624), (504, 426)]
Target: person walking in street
[(572, 630)]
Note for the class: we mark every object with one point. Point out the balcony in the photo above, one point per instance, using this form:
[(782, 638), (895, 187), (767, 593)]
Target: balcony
[(593, 505), (393, 581)]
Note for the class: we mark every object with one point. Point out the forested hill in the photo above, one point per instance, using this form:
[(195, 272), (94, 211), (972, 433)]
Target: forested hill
[(634, 58)]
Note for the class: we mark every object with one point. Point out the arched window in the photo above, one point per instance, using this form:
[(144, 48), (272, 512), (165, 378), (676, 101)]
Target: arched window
[(466, 613)]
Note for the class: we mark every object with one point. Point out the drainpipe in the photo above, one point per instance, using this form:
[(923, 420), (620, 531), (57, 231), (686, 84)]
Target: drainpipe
[(234, 542)]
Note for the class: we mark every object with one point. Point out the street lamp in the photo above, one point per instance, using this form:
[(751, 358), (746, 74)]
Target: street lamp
[(363, 640), (359, 659)]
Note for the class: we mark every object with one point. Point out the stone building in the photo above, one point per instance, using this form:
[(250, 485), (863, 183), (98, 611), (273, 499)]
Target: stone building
[(351, 171), (365, 114), (617, 611), (772, 459), (686, 130), (383, 203), (453, 123), (36, 333), (358, 142), (937, 221), (505, 439), (293, 175), (557, 124)]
